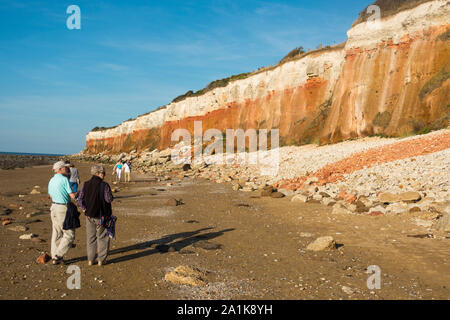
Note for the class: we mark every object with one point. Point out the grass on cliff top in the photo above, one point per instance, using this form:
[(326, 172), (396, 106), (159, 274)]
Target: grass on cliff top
[(294, 54), (389, 8)]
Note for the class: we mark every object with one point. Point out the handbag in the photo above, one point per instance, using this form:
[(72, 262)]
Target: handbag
[(107, 220)]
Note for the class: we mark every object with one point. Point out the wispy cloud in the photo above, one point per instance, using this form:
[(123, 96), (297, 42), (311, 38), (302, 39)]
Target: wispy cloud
[(112, 67)]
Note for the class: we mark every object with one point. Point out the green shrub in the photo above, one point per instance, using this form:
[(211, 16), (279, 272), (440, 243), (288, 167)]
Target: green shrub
[(435, 82), (382, 119), (293, 53), (445, 36)]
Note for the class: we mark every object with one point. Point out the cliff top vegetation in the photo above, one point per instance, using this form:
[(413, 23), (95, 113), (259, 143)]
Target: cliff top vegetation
[(389, 8)]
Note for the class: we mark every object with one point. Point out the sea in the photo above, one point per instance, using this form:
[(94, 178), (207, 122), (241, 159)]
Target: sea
[(32, 154)]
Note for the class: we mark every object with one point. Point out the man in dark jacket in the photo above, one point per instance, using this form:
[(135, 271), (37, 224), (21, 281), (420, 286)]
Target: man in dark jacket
[(95, 200)]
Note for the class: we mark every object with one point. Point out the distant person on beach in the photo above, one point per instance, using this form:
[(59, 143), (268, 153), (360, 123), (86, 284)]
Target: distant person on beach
[(68, 172), (95, 200), (74, 180), (118, 168), (127, 170), (61, 194)]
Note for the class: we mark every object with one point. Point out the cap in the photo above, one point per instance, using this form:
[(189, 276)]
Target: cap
[(58, 165)]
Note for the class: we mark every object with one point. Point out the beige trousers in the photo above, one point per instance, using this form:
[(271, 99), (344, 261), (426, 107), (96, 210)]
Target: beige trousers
[(127, 176), (61, 239), (97, 240)]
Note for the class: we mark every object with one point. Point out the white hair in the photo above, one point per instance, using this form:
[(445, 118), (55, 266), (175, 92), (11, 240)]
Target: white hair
[(97, 168)]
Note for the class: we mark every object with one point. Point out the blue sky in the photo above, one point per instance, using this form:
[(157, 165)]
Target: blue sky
[(131, 57)]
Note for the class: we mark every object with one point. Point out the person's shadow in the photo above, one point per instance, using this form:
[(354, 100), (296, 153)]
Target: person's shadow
[(162, 245)]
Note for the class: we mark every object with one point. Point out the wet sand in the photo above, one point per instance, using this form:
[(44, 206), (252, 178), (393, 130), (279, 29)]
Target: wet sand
[(259, 246)]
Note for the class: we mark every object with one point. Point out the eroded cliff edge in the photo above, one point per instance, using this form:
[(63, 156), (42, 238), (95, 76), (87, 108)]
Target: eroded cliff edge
[(388, 79)]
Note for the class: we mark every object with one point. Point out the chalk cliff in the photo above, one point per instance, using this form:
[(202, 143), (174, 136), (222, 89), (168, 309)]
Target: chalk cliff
[(390, 78)]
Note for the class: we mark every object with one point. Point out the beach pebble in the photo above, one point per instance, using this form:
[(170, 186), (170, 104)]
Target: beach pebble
[(18, 229), (321, 244), (27, 236)]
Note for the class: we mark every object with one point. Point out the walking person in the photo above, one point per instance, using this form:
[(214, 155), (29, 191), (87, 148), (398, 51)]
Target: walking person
[(127, 170), (74, 180), (61, 194), (118, 168), (95, 200)]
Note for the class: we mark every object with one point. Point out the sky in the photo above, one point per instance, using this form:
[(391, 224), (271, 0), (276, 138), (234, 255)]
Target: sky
[(131, 57)]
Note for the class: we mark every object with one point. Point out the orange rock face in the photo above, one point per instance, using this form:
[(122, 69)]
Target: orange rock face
[(293, 111), (387, 87), (392, 90)]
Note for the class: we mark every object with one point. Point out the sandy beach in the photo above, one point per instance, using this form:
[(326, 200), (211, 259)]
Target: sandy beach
[(248, 247)]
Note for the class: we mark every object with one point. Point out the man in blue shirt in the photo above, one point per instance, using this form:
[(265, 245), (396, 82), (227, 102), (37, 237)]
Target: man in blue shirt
[(61, 194)]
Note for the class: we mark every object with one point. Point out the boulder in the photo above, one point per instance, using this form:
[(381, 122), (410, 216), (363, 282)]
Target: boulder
[(27, 236), (286, 192), (306, 235), (165, 153), (18, 228), (236, 186), (322, 243), (32, 214), (387, 197), (377, 209), (444, 223), (277, 195), (312, 190), (340, 209), (267, 191), (324, 195), (423, 223), (410, 196), (348, 290), (300, 198), (5, 222), (361, 207), (43, 258), (328, 202), (174, 202), (397, 208), (317, 197), (184, 275)]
